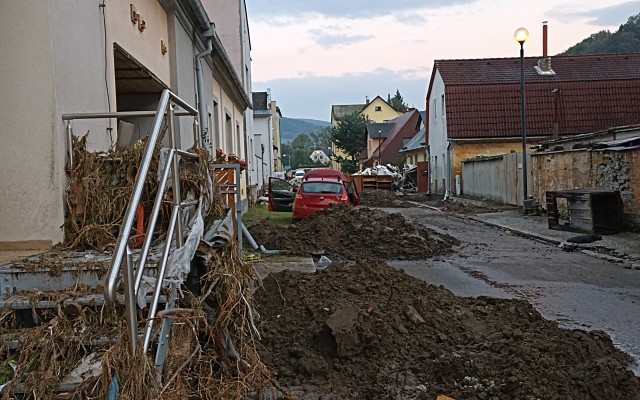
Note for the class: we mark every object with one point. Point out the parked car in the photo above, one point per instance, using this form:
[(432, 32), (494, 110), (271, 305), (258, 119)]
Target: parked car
[(319, 189), (299, 174)]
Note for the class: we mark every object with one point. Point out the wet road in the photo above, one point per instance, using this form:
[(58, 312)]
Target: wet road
[(575, 289)]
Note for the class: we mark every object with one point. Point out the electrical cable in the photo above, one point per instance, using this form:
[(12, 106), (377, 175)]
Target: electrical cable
[(106, 67)]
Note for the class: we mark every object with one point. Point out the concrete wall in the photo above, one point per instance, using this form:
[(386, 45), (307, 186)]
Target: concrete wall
[(30, 183), (581, 169)]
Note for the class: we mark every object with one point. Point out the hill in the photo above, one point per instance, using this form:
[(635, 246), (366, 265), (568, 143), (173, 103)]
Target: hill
[(625, 40), (292, 127)]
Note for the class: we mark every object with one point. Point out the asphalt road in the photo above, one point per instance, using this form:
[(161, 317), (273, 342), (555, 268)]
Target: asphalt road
[(576, 290)]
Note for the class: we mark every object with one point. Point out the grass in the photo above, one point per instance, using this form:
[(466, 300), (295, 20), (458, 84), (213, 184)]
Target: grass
[(260, 212)]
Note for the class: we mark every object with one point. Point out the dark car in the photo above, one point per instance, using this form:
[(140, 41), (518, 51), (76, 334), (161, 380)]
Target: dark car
[(320, 188)]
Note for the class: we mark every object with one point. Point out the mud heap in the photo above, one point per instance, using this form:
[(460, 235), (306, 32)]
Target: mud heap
[(350, 233), (373, 332)]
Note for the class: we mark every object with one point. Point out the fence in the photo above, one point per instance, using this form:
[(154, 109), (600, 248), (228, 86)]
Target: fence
[(496, 178)]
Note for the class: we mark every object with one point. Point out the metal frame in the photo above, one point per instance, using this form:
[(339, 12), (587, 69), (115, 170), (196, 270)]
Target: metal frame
[(225, 190), (122, 252)]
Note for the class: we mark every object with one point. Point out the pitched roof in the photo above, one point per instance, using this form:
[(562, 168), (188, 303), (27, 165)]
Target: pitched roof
[(381, 130), (416, 142), (338, 111), (591, 92), (403, 127), (260, 104)]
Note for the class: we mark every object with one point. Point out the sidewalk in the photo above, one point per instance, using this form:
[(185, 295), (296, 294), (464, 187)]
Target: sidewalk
[(623, 247)]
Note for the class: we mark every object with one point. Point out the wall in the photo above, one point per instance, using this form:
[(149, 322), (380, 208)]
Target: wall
[(386, 113), (581, 169), (437, 138), (30, 143)]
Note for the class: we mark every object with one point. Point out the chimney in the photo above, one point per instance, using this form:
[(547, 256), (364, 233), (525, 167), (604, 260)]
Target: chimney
[(544, 39), (544, 63)]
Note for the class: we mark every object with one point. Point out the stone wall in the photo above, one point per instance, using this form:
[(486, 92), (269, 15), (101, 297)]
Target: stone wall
[(587, 169)]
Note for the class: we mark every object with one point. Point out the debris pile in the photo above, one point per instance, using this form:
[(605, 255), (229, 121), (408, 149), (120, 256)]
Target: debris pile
[(343, 233), (373, 332)]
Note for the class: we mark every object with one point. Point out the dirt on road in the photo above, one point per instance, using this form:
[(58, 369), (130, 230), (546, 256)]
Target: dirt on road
[(389, 199), (372, 332), (369, 331), (351, 233)]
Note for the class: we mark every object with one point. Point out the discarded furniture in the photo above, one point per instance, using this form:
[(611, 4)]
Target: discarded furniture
[(585, 210), (372, 182)]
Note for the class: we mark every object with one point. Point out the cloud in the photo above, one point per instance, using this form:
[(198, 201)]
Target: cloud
[(355, 9), (327, 40), (313, 96), (606, 16)]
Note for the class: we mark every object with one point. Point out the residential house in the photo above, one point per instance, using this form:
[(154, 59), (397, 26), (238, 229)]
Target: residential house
[(276, 115), (376, 110), (321, 155), (473, 106), (261, 142), (415, 154), (384, 140), (130, 52)]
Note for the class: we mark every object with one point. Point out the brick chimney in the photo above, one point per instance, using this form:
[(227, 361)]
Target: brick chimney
[(544, 64)]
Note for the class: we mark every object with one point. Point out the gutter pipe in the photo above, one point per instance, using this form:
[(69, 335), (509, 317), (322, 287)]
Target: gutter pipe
[(448, 180), (202, 104)]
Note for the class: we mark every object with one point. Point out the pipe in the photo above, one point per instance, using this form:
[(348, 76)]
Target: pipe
[(202, 104), (448, 179), (428, 169), (544, 39), (253, 243)]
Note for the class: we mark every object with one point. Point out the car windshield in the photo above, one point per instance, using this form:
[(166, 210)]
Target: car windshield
[(322, 187)]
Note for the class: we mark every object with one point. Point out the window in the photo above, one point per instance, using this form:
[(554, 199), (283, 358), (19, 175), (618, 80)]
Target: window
[(322, 187), (378, 108), (442, 106), (228, 132), (216, 125)]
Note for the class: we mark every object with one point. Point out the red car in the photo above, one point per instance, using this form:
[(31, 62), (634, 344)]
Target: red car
[(319, 189)]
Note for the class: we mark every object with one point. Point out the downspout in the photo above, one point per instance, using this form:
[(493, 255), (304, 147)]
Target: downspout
[(448, 180), (428, 169), (202, 104)]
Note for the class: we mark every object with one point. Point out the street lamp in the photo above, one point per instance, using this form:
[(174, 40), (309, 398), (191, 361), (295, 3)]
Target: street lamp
[(286, 163), (521, 36)]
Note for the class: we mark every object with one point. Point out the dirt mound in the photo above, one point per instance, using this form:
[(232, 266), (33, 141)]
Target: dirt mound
[(389, 199), (350, 233), (357, 333)]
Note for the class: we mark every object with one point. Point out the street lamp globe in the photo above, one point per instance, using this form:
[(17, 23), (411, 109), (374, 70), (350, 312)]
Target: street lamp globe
[(521, 35)]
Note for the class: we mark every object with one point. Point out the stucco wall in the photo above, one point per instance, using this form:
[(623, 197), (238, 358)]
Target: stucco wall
[(386, 113), (437, 138), (30, 182), (614, 170)]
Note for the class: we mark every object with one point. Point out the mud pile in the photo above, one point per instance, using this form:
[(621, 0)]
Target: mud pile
[(388, 199), (373, 332), (350, 233)]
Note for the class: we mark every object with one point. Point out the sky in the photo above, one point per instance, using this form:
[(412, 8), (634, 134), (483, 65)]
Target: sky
[(313, 54)]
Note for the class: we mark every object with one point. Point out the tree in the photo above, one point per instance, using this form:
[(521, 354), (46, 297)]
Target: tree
[(625, 40), (349, 136), (322, 137), (397, 103), (302, 147)]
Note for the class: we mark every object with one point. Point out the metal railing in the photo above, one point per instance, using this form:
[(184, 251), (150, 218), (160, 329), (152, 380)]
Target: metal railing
[(122, 253)]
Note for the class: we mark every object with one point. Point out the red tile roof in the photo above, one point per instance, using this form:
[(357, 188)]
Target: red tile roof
[(595, 92)]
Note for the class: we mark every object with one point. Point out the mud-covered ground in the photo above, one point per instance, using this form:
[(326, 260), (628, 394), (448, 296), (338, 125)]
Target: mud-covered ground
[(351, 233), (368, 331), (389, 199), (372, 332)]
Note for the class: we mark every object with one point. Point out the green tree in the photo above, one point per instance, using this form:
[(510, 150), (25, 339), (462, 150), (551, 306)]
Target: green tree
[(322, 137), (397, 103), (625, 40), (302, 147), (350, 136)]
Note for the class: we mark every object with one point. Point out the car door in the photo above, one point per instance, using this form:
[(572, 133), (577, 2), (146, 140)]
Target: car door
[(354, 197), (281, 195)]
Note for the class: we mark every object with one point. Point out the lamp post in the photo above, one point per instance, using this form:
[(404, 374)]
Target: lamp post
[(521, 36), (379, 145), (285, 165)]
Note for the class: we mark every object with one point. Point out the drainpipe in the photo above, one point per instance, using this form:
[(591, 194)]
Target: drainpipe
[(448, 179), (202, 104), (428, 169)]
